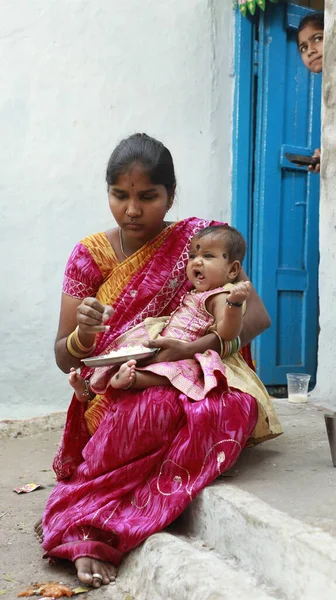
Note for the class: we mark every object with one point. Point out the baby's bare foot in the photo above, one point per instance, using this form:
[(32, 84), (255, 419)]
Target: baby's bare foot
[(94, 572), (77, 382), (125, 376)]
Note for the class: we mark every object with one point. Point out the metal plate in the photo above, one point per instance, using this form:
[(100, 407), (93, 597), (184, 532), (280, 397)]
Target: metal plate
[(103, 360)]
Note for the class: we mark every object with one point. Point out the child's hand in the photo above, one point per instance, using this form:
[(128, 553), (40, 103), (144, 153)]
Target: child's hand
[(316, 168), (240, 292)]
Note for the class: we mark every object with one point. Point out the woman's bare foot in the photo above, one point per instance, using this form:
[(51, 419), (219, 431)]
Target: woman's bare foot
[(77, 382), (125, 376), (94, 572), (39, 531)]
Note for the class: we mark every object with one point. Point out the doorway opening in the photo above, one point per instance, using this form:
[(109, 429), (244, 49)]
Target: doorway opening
[(275, 205)]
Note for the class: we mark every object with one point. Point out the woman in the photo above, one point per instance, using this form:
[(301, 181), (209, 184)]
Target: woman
[(131, 461), (310, 43)]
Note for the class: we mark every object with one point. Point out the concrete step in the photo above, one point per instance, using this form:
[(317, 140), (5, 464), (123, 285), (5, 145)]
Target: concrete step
[(167, 567), (294, 558)]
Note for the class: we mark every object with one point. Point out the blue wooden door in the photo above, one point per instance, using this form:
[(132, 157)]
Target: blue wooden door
[(285, 210), (276, 204)]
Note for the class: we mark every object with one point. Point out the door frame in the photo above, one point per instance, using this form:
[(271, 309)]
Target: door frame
[(243, 131)]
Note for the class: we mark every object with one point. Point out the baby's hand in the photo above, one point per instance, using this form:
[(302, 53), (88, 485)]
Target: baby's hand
[(240, 292)]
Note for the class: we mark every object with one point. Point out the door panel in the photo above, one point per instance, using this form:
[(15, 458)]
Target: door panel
[(285, 206)]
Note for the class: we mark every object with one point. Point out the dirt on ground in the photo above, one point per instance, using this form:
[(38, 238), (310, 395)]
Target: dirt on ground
[(27, 459)]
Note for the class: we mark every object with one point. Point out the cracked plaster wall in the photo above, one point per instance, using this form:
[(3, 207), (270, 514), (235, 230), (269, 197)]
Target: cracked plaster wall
[(325, 390), (76, 77)]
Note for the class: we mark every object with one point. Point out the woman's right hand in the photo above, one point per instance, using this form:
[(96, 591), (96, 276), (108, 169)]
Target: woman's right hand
[(91, 316)]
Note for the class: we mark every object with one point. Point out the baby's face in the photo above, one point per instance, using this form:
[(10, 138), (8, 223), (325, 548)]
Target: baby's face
[(311, 48), (208, 266)]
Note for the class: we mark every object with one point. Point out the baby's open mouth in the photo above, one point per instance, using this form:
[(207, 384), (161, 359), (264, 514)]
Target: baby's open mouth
[(198, 275)]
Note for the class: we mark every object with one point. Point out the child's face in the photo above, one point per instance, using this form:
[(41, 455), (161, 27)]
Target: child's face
[(209, 266), (311, 48)]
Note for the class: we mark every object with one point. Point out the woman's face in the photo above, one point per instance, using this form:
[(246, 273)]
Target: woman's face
[(311, 48), (138, 206)]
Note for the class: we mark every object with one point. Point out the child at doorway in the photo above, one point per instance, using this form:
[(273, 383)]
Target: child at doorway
[(310, 44)]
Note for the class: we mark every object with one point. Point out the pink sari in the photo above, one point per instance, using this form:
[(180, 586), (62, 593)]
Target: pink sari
[(155, 449)]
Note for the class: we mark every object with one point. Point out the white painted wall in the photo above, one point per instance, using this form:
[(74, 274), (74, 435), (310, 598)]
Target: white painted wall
[(325, 391), (76, 77)]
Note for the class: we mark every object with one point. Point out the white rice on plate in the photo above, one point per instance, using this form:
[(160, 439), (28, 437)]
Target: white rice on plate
[(125, 350)]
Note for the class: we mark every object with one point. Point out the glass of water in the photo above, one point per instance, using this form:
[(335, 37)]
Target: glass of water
[(297, 384)]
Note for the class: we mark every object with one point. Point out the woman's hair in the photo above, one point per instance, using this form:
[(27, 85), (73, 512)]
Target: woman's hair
[(232, 239), (151, 154), (316, 20)]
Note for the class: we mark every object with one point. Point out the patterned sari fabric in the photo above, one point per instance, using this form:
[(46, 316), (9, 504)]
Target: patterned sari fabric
[(153, 450)]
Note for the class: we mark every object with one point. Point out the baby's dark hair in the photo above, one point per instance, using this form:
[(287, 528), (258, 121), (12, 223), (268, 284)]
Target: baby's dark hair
[(235, 244), (316, 20), (151, 154)]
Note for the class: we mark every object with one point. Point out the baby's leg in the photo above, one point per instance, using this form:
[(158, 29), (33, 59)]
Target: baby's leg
[(145, 379), (128, 377), (77, 382)]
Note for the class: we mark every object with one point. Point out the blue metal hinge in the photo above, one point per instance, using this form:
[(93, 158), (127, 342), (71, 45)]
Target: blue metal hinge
[(255, 57)]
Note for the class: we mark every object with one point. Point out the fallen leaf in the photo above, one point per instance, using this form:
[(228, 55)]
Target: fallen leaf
[(51, 589), (2, 592), (8, 578), (28, 592), (128, 597), (80, 590)]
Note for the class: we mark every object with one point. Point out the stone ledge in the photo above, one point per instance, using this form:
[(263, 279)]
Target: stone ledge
[(293, 557), (166, 567)]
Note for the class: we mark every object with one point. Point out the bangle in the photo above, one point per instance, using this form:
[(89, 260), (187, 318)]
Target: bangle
[(231, 347), (221, 343), (74, 352), (236, 304), (71, 349), (79, 344)]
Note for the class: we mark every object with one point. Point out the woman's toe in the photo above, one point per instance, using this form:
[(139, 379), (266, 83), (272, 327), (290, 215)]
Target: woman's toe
[(96, 581), (84, 573), (94, 572), (39, 531), (106, 579), (111, 573)]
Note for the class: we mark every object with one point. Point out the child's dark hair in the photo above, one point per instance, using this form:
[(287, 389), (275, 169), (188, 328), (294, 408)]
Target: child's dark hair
[(142, 149), (235, 244), (316, 20)]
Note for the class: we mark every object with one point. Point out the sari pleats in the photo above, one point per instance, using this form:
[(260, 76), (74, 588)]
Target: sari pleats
[(152, 454)]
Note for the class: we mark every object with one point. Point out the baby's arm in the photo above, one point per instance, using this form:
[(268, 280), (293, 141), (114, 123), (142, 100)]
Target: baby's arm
[(228, 316)]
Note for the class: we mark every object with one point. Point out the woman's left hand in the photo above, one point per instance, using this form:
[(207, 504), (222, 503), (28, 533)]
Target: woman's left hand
[(170, 350)]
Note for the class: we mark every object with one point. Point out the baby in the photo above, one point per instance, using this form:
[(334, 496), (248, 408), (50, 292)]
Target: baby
[(216, 303)]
